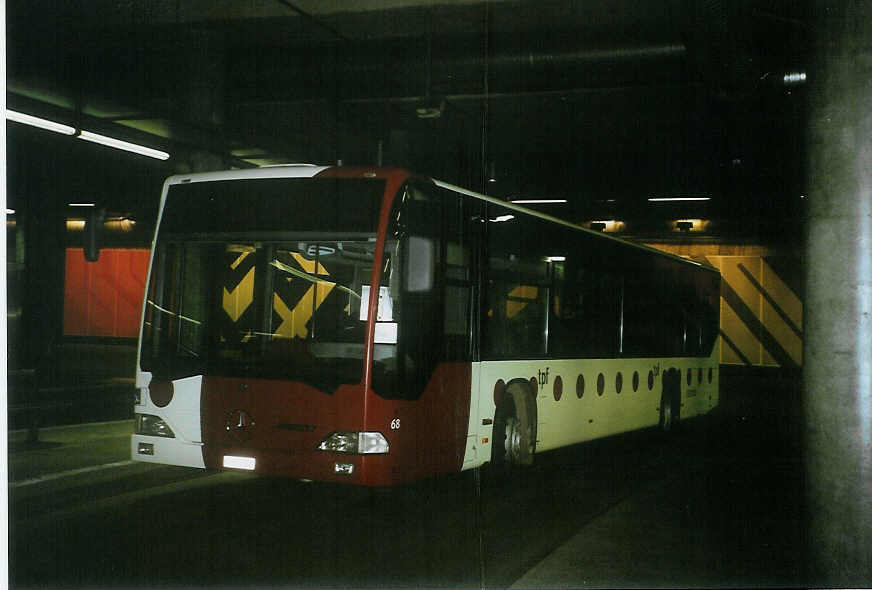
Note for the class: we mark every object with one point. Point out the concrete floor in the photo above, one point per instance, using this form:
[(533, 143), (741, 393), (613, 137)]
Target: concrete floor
[(719, 504)]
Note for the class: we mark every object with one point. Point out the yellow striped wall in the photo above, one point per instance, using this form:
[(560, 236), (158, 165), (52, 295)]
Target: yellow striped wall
[(761, 308)]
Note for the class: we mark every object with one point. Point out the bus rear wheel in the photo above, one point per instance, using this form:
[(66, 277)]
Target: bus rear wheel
[(666, 415), (670, 401), (670, 411)]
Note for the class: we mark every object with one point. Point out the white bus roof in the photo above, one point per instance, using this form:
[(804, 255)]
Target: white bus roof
[(279, 171)]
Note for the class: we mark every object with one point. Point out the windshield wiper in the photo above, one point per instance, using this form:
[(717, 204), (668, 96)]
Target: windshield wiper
[(311, 278), (174, 314)]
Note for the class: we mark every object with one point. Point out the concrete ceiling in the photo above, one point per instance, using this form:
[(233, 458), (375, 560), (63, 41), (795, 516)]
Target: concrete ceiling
[(603, 102)]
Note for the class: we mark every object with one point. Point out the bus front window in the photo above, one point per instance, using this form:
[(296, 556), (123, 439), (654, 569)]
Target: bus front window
[(274, 310)]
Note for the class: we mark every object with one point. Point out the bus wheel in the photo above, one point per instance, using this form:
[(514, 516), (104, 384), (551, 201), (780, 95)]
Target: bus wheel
[(514, 434), (670, 401), (505, 420), (666, 416)]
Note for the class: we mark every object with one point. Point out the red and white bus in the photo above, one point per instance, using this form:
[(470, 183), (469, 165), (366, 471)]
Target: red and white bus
[(366, 325)]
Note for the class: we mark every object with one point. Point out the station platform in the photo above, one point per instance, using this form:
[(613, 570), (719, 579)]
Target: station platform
[(657, 538), (734, 519), (79, 382)]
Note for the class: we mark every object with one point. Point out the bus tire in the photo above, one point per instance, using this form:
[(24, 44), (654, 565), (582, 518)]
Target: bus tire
[(670, 401), (666, 416), (514, 433)]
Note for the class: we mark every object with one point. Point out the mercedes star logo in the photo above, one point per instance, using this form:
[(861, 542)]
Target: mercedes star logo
[(239, 424)]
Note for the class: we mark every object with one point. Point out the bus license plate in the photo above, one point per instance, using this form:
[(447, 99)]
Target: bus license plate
[(232, 462)]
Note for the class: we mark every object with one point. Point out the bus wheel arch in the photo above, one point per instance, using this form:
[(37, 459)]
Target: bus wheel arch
[(515, 420)]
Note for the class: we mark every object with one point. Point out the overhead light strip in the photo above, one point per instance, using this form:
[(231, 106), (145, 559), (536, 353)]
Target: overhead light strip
[(41, 123), (86, 135), (123, 145), (669, 199), (536, 201)]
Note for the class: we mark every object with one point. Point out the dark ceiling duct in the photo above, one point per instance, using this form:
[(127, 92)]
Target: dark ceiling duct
[(721, 48), (402, 69), (529, 60)]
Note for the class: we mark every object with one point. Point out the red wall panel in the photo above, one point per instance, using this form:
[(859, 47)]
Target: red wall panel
[(104, 298)]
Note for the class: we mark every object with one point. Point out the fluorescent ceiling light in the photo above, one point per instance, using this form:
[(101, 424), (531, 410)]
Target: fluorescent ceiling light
[(523, 201), (41, 123), (80, 204), (668, 199), (86, 135), (500, 218), (555, 258), (123, 145), (10, 211)]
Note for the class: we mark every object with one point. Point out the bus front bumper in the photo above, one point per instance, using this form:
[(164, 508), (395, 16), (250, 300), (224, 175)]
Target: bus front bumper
[(166, 451)]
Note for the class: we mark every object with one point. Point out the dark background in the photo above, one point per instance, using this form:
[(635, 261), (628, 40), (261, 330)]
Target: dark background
[(605, 104), (602, 103)]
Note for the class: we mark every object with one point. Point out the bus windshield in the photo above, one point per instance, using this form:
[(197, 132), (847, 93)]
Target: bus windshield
[(246, 301)]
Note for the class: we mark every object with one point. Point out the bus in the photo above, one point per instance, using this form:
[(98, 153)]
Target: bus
[(371, 326)]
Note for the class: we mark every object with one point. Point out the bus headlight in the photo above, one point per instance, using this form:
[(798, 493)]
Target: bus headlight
[(356, 443), (152, 426)]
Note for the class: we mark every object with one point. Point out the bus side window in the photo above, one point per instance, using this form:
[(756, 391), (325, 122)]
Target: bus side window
[(457, 277), (516, 312), (642, 301), (672, 316), (568, 307)]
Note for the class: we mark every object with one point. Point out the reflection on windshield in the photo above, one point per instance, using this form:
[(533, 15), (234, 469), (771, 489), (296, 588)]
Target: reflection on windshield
[(314, 279), (259, 309)]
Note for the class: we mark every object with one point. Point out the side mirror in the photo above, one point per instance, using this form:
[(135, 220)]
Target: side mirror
[(93, 233), (420, 264)]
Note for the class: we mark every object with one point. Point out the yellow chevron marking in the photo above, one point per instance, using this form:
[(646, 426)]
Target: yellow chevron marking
[(309, 265), (529, 293), (787, 300), (760, 307), (294, 320), (740, 283), (290, 327), (786, 337), (237, 301), (739, 334), (239, 259), (732, 325), (790, 305)]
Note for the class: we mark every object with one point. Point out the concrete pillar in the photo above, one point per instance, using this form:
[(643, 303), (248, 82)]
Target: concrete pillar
[(838, 321), (202, 87), (42, 218)]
